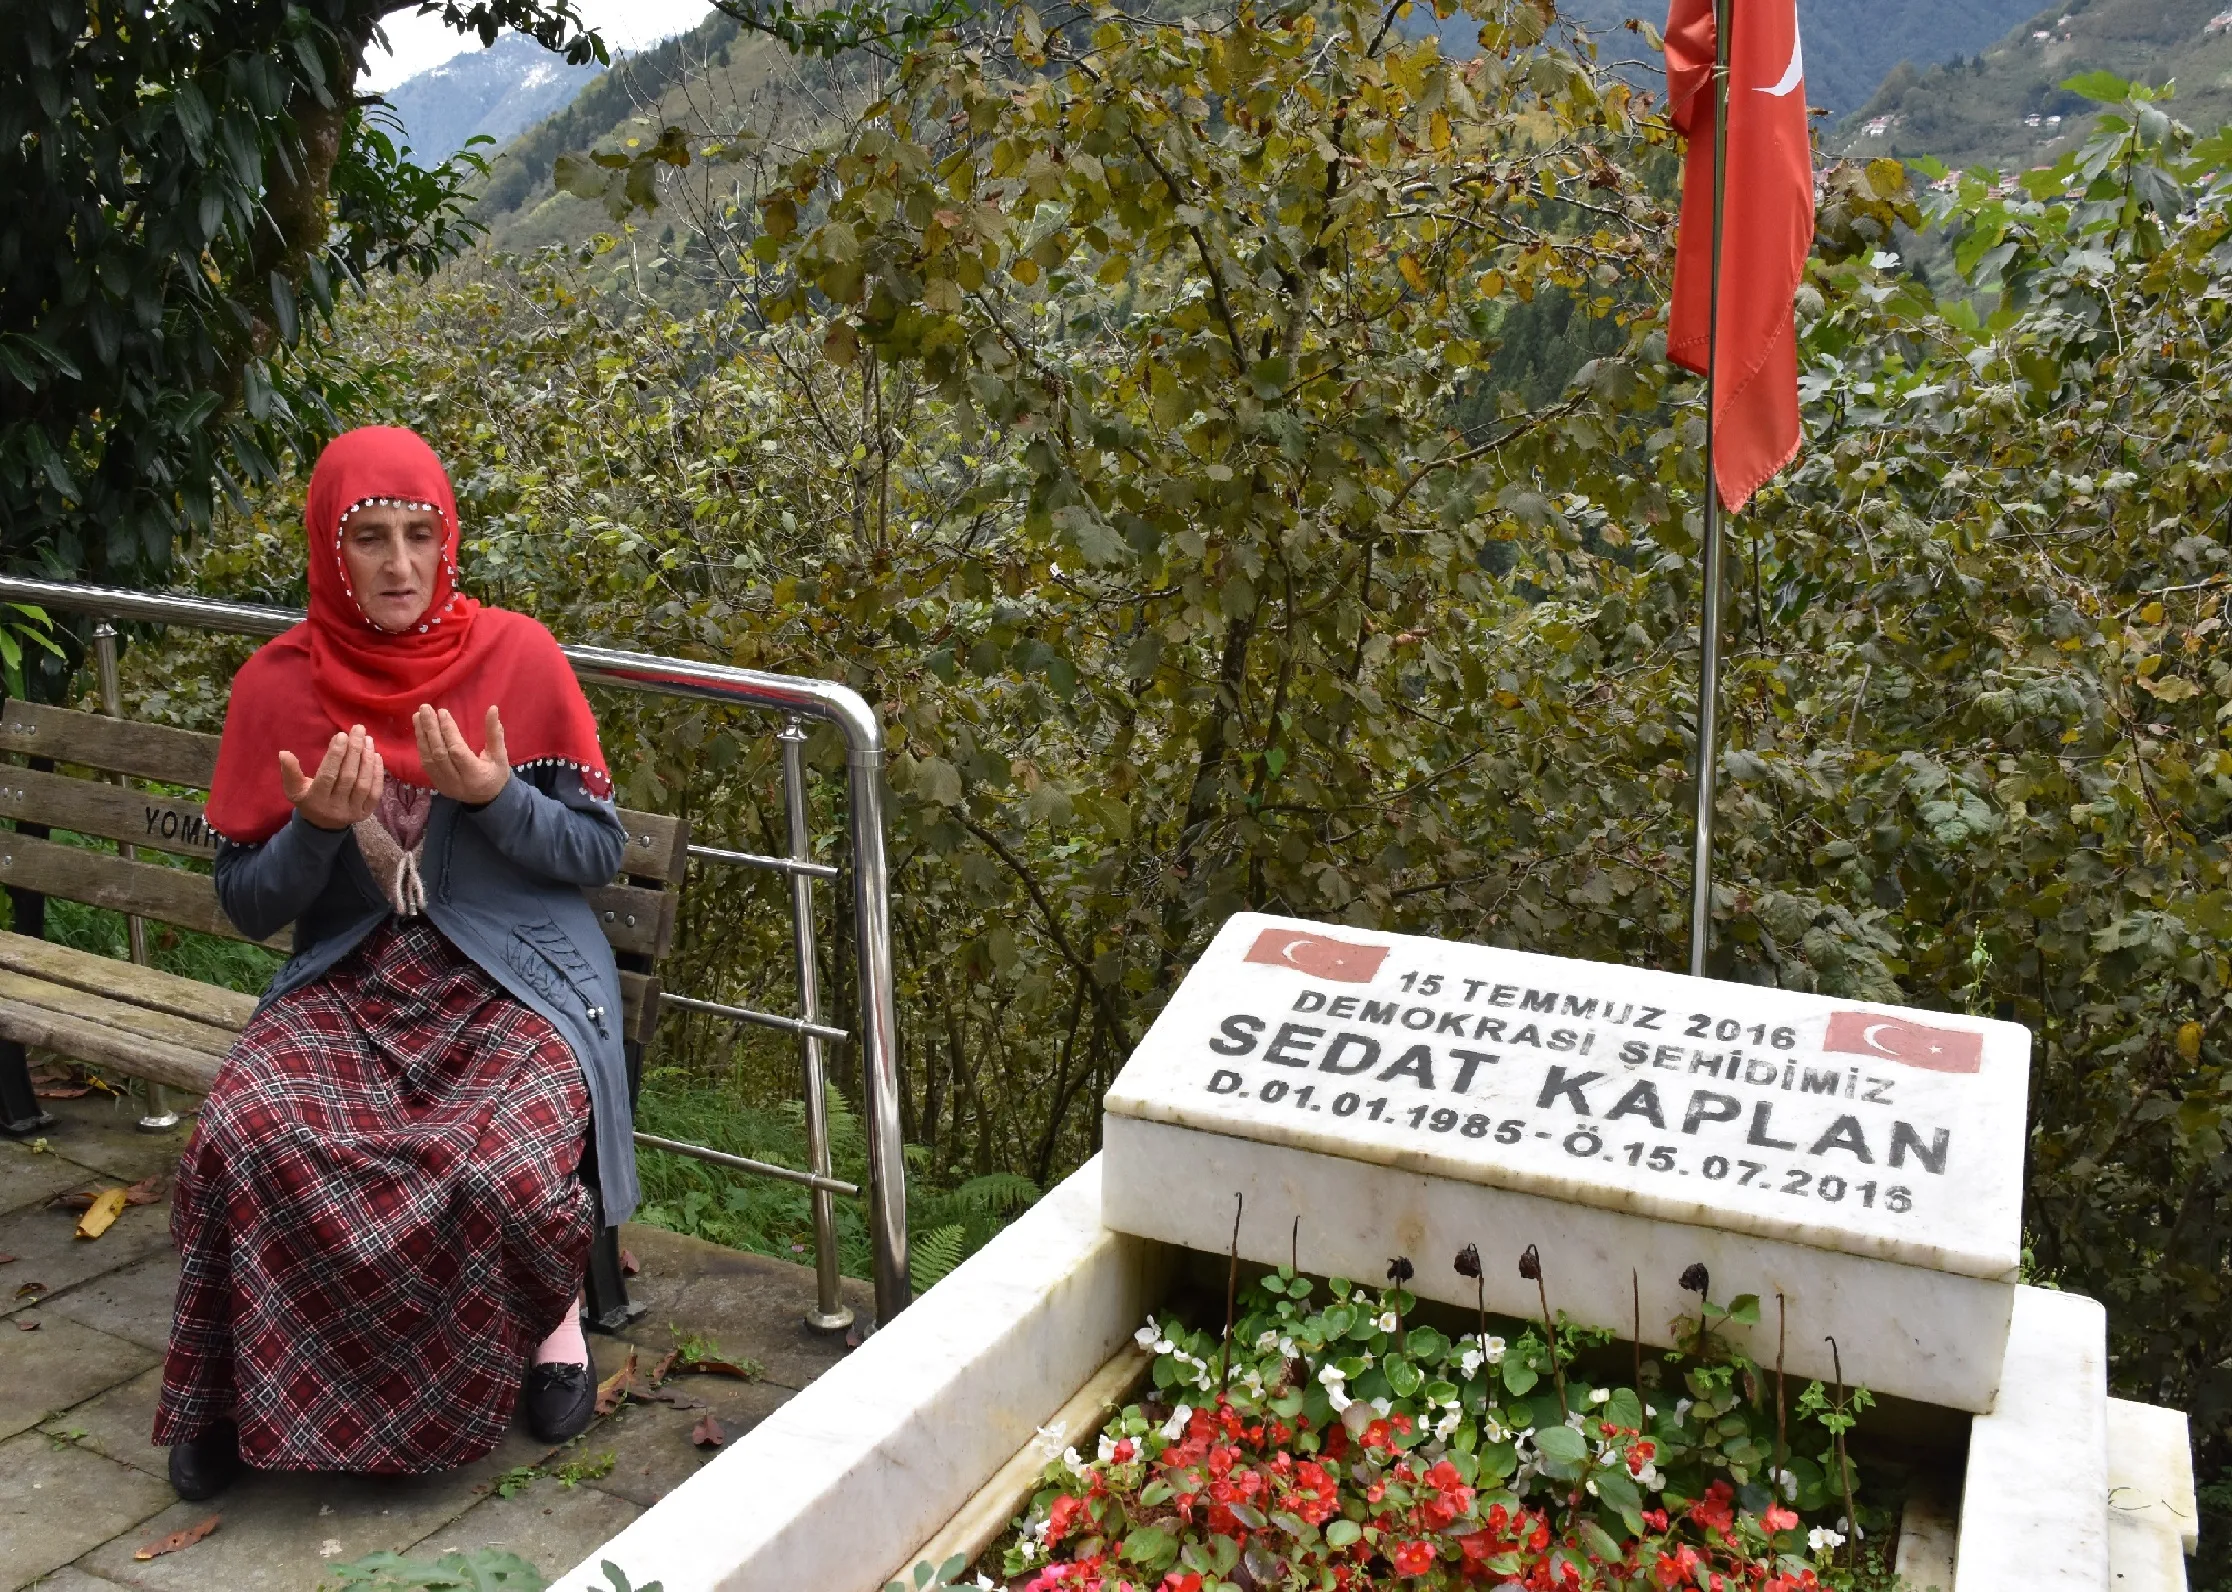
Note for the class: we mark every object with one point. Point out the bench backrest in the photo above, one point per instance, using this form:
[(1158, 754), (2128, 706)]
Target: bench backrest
[(637, 909)]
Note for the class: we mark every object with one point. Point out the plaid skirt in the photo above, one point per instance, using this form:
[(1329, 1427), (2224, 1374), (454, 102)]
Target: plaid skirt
[(378, 1216)]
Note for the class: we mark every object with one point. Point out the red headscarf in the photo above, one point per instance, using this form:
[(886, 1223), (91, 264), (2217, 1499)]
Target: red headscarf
[(337, 668)]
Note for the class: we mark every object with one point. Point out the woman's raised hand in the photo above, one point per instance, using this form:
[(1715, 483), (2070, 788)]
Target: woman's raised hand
[(451, 766), (347, 785)]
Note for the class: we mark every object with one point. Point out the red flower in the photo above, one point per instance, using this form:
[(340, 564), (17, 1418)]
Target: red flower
[(1413, 1558), (1715, 1511), (1062, 1519), (1778, 1518), (1375, 1435), (1174, 1582)]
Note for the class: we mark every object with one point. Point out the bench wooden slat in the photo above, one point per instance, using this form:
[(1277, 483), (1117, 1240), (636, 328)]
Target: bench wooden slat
[(181, 1032), (120, 1050), (126, 982), (658, 845), (109, 812), (634, 918), (116, 746), (144, 889)]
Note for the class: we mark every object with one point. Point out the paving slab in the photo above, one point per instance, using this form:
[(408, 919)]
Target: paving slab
[(71, 1579), (103, 1133), (551, 1526), (279, 1529), (650, 1443), (119, 1423), (28, 1178), (748, 1304), (133, 1303), (46, 1372), (61, 1500), (47, 1250)]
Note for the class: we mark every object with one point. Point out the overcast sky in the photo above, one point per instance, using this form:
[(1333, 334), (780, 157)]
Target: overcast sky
[(418, 42)]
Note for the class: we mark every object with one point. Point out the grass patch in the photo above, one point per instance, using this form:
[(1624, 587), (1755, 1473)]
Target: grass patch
[(769, 1217)]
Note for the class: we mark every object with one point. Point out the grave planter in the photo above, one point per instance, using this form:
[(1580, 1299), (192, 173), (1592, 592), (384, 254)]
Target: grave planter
[(1509, 1091)]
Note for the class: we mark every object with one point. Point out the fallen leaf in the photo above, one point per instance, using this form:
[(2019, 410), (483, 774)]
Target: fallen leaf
[(62, 1091), (707, 1433), (31, 1290), (48, 1072), (628, 1264), (722, 1368), (659, 1372), (76, 1200), (102, 1214), (27, 1324), (147, 1191), (183, 1538), (7, 1260), (616, 1387)]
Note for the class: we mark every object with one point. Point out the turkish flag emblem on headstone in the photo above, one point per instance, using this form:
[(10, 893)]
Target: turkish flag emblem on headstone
[(1896, 1039), (1319, 955)]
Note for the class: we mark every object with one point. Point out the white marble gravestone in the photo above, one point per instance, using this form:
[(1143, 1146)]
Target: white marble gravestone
[(1410, 1096)]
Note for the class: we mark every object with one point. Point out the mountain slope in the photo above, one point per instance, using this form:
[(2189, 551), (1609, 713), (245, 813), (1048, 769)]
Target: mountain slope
[(511, 85), (1851, 44), (2005, 108)]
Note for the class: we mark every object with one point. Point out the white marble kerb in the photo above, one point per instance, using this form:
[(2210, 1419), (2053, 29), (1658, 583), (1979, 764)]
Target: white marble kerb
[(1864, 1130)]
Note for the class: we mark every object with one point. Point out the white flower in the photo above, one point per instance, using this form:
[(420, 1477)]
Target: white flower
[(1074, 1460), (1028, 1549), (1468, 1363), (1337, 1396), (1175, 1427), (1286, 1347), (1494, 1349), (1383, 1406), (1332, 1376), (985, 1583), (1650, 1477), (1145, 1337), (1681, 1410), (1387, 1321), (1602, 1395), (1591, 1486), (1050, 1440), (1108, 1441), (1821, 1539), (1789, 1483), (1267, 1338), (1448, 1424)]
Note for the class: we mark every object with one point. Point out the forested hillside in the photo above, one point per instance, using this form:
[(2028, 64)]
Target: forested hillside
[(2005, 107)]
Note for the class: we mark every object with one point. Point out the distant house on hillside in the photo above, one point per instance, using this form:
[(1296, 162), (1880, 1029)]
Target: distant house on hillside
[(2220, 23)]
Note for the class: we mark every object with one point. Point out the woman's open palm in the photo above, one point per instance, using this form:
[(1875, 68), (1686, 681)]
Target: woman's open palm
[(453, 768), (347, 786)]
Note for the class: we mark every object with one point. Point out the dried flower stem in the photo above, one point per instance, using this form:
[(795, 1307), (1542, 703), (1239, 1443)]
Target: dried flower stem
[(1232, 1293), (1782, 1409), (1530, 1265), (1635, 1287), (1844, 1466), (1294, 1248)]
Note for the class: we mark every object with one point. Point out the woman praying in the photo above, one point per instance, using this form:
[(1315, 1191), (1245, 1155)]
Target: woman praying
[(382, 1214)]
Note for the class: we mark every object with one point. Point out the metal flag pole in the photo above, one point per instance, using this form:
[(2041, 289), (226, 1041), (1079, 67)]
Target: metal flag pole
[(1709, 628)]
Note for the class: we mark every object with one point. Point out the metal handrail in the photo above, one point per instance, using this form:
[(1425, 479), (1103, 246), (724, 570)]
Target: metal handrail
[(825, 700)]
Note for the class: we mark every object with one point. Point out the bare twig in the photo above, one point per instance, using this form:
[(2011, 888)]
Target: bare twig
[(1232, 1294)]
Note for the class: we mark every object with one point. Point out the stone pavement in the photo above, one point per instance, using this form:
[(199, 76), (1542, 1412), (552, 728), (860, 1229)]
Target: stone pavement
[(81, 1487)]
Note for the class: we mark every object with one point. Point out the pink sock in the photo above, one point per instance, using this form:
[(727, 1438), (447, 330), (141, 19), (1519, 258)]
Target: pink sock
[(566, 1346)]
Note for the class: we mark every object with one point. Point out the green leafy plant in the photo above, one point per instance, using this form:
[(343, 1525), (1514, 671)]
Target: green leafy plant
[(482, 1570)]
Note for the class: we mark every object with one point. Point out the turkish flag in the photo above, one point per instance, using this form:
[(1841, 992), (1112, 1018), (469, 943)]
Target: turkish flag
[(1764, 239), (1916, 1044), (1318, 955)]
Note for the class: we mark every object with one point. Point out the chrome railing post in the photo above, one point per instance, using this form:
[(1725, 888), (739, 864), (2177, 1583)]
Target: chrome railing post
[(879, 1022), (162, 1113), (830, 1312)]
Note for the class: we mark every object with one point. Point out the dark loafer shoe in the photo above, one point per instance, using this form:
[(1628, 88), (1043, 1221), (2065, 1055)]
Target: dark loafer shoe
[(204, 1466), (561, 1400)]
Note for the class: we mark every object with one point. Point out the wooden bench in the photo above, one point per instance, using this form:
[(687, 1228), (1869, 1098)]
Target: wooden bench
[(147, 1023)]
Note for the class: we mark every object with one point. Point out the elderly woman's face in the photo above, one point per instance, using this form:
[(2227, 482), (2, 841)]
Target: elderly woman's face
[(393, 555)]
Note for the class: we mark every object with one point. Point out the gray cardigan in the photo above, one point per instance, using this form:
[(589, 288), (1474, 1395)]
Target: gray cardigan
[(504, 884)]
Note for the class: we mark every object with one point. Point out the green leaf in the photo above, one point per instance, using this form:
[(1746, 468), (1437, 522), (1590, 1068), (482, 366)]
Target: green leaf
[(1744, 1308), (2102, 87), (1342, 1533), (1562, 1444)]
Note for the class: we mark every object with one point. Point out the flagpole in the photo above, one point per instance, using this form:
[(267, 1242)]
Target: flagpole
[(1709, 628)]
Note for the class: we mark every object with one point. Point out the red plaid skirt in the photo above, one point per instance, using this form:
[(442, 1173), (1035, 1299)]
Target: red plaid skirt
[(379, 1217)]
